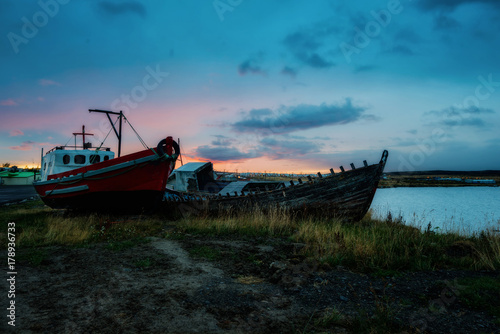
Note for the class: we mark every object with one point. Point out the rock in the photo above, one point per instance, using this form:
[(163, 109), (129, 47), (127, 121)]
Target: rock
[(278, 265), (265, 248), (297, 246)]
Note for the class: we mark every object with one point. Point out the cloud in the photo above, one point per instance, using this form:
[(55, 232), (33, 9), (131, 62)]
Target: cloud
[(306, 138), (222, 141), (450, 5), (223, 153), (408, 35), (290, 147), (15, 133), (454, 116), (123, 7), (8, 102), (279, 149), (251, 66), (295, 118), (364, 68), (260, 112), (47, 82), (289, 71), (445, 22), (306, 45), (450, 155), (402, 50), (25, 146)]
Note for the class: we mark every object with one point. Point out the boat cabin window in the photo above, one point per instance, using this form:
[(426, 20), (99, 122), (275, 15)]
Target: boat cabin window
[(66, 159), (94, 158), (44, 166), (106, 157), (79, 159)]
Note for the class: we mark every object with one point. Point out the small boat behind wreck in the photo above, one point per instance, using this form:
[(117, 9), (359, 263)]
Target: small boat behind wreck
[(345, 196)]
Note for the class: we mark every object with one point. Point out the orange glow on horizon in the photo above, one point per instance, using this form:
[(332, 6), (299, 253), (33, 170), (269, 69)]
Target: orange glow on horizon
[(22, 165), (260, 165)]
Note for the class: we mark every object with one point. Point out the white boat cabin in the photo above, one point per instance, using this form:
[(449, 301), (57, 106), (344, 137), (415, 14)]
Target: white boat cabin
[(65, 158)]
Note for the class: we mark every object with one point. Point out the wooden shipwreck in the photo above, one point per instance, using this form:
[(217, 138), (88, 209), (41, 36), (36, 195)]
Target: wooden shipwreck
[(346, 195)]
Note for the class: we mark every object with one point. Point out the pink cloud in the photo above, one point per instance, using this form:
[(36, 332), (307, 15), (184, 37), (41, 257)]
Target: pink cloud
[(25, 146), (48, 82), (14, 133), (8, 102)]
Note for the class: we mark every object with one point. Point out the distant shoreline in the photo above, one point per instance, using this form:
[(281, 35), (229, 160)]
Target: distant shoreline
[(441, 179), (383, 185)]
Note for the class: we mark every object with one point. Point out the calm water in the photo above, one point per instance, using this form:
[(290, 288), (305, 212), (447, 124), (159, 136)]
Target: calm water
[(463, 209)]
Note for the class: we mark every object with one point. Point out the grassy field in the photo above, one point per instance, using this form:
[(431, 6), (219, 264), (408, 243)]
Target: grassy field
[(383, 249), (367, 246)]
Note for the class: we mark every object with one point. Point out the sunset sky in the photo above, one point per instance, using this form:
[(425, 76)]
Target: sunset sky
[(275, 85)]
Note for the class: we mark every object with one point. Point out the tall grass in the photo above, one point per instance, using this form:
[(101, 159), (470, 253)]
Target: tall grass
[(274, 222), (36, 225), (57, 230), (368, 245), (378, 245)]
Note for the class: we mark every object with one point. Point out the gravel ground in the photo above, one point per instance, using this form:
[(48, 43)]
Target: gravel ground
[(200, 284)]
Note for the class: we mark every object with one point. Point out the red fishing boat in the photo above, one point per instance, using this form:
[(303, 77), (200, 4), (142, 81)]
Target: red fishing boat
[(83, 178)]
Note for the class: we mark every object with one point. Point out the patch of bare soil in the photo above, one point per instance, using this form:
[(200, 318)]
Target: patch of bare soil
[(200, 284)]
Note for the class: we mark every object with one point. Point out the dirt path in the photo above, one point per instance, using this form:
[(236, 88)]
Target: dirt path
[(206, 285)]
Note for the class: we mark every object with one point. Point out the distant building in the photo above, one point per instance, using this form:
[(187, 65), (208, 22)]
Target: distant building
[(16, 177), (480, 181), (456, 179)]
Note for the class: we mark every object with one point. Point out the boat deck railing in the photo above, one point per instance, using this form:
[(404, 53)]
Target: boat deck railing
[(73, 147)]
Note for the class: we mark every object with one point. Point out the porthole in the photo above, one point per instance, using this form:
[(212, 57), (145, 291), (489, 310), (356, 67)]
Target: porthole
[(106, 157), (79, 159), (66, 159), (94, 158)]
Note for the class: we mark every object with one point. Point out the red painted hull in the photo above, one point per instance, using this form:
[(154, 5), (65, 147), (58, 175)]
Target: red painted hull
[(133, 182)]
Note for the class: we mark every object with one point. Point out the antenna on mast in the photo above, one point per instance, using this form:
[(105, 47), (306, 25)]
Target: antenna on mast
[(83, 133)]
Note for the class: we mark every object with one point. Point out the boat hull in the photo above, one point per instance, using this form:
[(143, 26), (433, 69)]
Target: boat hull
[(345, 196), (131, 183)]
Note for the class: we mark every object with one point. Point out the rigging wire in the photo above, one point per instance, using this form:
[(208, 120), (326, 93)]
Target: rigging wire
[(102, 143), (68, 141), (180, 151), (137, 134)]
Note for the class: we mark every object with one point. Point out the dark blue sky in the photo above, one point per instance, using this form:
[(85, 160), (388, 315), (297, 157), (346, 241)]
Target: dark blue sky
[(259, 85)]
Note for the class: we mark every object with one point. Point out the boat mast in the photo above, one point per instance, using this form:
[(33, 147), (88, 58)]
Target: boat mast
[(117, 133), (83, 136)]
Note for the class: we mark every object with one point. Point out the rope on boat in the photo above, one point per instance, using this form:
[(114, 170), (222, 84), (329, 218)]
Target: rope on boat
[(137, 134), (102, 143)]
